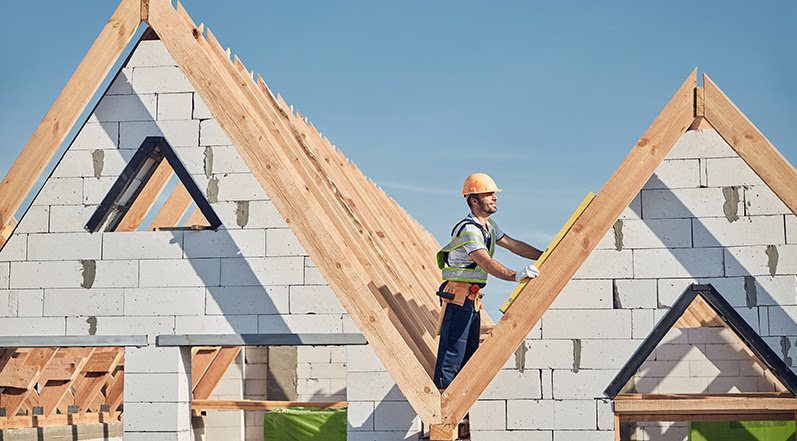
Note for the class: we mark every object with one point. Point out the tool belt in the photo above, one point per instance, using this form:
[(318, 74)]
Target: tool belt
[(456, 293)]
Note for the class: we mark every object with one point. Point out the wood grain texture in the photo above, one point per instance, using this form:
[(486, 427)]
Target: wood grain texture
[(571, 253), (67, 108), (146, 198), (173, 209), (753, 147)]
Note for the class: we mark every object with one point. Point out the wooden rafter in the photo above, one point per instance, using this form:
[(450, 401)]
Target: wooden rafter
[(304, 197), (67, 108), (222, 360), (750, 144), (705, 407), (149, 194), (173, 209)]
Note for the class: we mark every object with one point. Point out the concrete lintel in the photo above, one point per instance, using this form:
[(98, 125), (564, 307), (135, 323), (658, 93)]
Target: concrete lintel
[(261, 340), (73, 341)]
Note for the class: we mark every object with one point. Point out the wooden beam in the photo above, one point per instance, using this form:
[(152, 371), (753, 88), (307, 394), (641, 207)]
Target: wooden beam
[(272, 167), (700, 314), (91, 382), (173, 209), (263, 405), (67, 108), (442, 432), (6, 230), (53, 392), (747, 141), (571, 253), (14, 398), (219, 365), (196, 218), (24, 422), (200, 362), (114, 393), (148, 195), (711, 406)]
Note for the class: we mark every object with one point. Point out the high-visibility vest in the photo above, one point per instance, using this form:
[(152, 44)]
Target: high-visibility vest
[(472, 273)]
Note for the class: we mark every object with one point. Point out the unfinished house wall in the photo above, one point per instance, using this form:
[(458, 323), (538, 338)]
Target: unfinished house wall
[(251, 276), (704, 217)]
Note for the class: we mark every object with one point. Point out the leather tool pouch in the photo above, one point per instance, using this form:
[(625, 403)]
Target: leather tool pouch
[(460, 291)]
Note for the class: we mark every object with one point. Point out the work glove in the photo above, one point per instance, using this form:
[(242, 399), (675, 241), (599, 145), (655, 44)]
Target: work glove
[(528, 272)]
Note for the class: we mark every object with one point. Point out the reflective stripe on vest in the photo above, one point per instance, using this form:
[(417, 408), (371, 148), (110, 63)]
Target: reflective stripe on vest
[(471, 275)]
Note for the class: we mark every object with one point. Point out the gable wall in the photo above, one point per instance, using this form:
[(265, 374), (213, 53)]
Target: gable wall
[(680, 229)]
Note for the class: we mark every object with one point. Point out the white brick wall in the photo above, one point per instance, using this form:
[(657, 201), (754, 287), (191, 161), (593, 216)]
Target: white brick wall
[(37, 220), (753, 260), (657, 233), (679, 262), (150, 53), (46, 274), (264, 271), (64, 246), (791, 229), (612, 323), (726, 172), (530, 414), (748, 230), (761, 200), (116, 108), (701, 144), (211, 133), (164, 301), (177, 133), (681, 173), (61, 191), (246, 300), (32, 326), (79, 301), (142, 245), (585, 294), (607, 264), (156, 79), (684, 203), (299, 324), (30, 302), (80, 163), (96, 135), (174, 273), (637, 293), (238, 187), (314, 300), (175, 106)]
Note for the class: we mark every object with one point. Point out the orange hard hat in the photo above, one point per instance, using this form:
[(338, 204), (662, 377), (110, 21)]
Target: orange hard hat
[(479, 183)]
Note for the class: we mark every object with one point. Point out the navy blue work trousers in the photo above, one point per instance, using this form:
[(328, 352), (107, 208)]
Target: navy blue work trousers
[(459, 339)]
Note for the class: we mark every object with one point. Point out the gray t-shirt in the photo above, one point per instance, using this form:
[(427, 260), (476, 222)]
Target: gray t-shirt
[(460, 258)]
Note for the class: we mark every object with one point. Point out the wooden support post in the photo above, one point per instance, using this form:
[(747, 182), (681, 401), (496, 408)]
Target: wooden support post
[(67, 108), (442, 432), (215, 371)]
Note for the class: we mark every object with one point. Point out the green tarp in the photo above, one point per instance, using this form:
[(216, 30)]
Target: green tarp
[(741, 431), (305, 424)]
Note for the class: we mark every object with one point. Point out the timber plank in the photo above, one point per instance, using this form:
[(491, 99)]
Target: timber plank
[(54, 391), (263, 405), (14, 398), (23, 422), (67, 108), (224, 358), (571, 253), (754, 148), (291, 199), (200, 362), (173, 209), (148, 195)]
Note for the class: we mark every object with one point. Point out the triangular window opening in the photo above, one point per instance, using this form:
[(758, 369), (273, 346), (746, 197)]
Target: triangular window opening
[(137, 201)]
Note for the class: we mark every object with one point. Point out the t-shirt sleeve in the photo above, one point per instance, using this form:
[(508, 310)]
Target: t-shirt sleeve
[(499, 233), (478, 239)]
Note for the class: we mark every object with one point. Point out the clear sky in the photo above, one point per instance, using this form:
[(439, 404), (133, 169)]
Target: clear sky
[(546, 97)]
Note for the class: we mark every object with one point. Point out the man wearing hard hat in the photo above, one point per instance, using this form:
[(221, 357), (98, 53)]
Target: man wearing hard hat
[(466, 261)]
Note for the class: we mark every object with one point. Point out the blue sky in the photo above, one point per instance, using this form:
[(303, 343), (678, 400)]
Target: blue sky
[(548, 98)]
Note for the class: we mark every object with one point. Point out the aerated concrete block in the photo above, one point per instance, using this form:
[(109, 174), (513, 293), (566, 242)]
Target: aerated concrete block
[(585, 384), (142, 245), (175, 106), (299, 324), (225, 243), (363, 359), (685, 203), (727, 172), (211, 133), (164, 301), (94, 191), (670, 289), (81, 301), (260, 214), (239, 187), (585, 294), (396, 416), (610, 324), (122, 83), (96, 135), (150, 53), (763, 321), (636, 293), (512, 435), (8, 303), (512, 384), (89, 163), (488, 415), (349, 327), (574, 414), (549, 354), (701, 144), (748, 230), (262, 272), (232, 324), (117, 108), (606, 354), (761, 260), (246, 300), (372, 386), (317, 299), (360, 416), (182, 272), (530, 414), (32, 326), (776, 291), (226, 160), (116, 274), (282, 242), (180, 133), (783, 321), (15, 249), (58, 274), (69, 218), (201, 110), (657, 233), (64, 246), (5, 269), (35, 220), (156, 417), (642, 323), (677, 173), (157, 359), (156, 387), (314, 354), (83, 325), (580, 435), (791, 229), (761, 200), (29, 302), (60, 191), (607, 264), (679, 262), (160, 79), (382, 436)]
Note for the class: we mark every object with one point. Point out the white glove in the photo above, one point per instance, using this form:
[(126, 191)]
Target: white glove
[(528, 272)]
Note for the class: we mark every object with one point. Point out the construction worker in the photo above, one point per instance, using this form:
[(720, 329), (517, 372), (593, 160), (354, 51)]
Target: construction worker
[(466, 261)]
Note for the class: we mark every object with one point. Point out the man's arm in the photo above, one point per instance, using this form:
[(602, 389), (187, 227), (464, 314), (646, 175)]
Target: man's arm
[(487, 263), (520, 248)]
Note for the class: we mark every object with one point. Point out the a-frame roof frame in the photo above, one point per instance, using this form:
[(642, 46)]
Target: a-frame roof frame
[(731, 319), (241, 113), (687, 105)]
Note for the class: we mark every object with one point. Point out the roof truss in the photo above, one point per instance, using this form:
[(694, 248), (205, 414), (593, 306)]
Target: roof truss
[(376, 258)]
